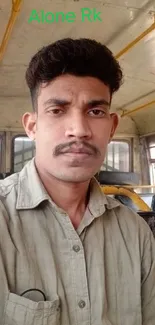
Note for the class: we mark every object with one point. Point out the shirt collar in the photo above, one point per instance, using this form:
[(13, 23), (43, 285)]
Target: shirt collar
[(31, 193), (98, 201)]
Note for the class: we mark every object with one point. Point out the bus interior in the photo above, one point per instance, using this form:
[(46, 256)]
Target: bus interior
[(127, 27)]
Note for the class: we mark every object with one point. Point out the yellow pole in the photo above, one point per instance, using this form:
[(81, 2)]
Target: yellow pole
[(16, 5), (138, 186), (138, 108), (136, 40)]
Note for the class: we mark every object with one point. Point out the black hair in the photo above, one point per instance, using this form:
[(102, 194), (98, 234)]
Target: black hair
[(79, 57)]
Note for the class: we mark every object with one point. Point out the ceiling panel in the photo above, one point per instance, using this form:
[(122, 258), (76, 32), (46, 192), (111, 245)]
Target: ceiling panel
[(28, 37), (145, 120), (128, 3), (12, 81), (122, 21)]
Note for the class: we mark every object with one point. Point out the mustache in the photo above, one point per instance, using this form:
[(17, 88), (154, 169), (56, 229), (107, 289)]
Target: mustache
[(93, 149)]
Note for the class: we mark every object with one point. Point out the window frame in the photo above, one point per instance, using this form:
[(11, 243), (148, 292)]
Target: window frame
[(151, 138), (151, 160), (2, 152)]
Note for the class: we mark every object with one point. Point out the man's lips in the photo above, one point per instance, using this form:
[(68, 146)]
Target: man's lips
[(78, 151)]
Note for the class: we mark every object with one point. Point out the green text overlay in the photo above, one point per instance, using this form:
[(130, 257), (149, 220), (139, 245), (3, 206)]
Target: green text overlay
[(86, 14)]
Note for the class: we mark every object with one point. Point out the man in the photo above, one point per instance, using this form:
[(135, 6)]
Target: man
[(68, 254)]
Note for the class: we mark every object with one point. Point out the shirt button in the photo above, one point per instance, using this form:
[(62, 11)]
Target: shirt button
[(81, 303), (76, 248)]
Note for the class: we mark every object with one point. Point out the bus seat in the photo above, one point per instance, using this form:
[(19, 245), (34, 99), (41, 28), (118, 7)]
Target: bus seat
[(117, 178), (147, 198), (126, 201), (4, 175), (153, 203), (149, 217)]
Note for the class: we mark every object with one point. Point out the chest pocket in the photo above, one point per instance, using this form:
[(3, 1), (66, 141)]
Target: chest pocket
[(22, 311)]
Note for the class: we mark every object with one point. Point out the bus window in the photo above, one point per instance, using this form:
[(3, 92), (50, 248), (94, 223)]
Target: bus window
[(151, 149), (117, 157), (23, 150), (0, 154)]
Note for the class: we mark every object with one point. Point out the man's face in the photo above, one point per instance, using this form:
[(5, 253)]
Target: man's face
[(72, 127)]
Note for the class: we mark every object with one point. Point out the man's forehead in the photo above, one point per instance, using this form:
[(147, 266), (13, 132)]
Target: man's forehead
[(73, 86)]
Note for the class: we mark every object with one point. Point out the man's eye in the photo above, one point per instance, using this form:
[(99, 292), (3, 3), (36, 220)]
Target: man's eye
[(55, 111), (97, 112)]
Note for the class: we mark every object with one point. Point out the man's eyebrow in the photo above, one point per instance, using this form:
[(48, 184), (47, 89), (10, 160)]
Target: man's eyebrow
[(56, 101), (62, 102), (98, 102)]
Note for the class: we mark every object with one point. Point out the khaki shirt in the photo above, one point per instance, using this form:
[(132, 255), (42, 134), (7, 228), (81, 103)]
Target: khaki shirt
[(103, 273)]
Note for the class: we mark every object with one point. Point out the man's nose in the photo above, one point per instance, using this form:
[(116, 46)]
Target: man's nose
[(78, 127)]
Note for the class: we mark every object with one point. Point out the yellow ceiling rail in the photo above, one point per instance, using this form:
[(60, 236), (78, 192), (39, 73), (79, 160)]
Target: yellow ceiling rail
[(137, 108), (16, 5), (136, 40), (137, 186)]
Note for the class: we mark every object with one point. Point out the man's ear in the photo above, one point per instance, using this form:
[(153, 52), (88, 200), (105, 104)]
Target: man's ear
[(114, 121), (29, 124)]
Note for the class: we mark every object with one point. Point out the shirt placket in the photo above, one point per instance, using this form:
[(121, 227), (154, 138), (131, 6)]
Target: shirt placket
[(79, 294)]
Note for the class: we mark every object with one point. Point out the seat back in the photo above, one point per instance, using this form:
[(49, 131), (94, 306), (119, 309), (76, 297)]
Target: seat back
[(4, 175), (149, 217), (126, 201), (153, 203)]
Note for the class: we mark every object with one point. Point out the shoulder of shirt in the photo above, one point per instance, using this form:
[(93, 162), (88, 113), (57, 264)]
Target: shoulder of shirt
[(128, 218), (124, 215), (121, 210), (7, 184), (8, 195)]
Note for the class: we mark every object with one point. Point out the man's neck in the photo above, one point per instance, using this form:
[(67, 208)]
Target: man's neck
[(70, 197)]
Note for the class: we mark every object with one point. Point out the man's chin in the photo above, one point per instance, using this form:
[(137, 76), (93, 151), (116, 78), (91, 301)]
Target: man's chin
[(75, 177)]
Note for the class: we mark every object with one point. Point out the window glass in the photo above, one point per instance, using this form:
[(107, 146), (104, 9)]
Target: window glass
[(23, 151), (150, 140), (117, 157), (0, 154), (152, 152)]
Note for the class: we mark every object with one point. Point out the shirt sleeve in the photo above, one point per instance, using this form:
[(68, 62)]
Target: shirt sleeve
[(7, 260), (148, 279)]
